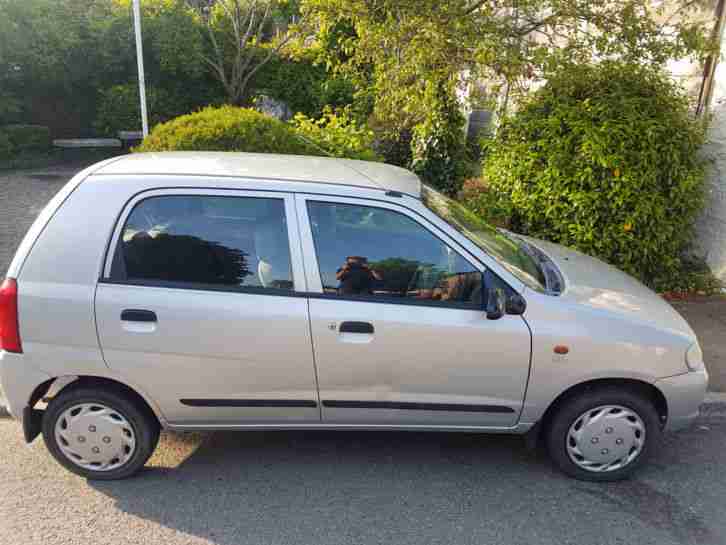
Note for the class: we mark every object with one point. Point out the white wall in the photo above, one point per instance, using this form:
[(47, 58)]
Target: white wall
[(711, 227)]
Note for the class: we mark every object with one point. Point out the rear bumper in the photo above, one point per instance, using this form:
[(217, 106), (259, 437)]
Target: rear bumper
[(684, 395), (18, 381)]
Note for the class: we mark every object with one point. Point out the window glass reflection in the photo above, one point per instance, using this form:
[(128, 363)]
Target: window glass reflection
[(374, 252), (227, 241)]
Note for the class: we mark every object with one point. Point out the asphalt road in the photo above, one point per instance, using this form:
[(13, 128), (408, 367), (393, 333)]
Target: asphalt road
[(356, 488)]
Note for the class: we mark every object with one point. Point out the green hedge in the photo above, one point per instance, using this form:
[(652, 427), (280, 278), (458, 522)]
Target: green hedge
[(227, 128), (605, 159), (119, 108), (6, 148), (301, 85), (18, 139)]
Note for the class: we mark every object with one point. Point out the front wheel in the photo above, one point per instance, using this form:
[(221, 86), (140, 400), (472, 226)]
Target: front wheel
[(603, 434), (99, 433)]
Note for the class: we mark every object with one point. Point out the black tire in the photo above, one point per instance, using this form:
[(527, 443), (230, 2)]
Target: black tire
[(144, 423), (571, 409)]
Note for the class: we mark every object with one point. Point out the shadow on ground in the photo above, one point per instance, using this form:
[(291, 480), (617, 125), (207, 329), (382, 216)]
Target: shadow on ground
[(340, 487)]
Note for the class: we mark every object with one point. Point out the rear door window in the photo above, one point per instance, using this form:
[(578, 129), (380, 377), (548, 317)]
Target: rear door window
[(198, 240)]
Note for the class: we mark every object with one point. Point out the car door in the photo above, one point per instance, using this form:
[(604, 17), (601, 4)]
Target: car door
[(199, 307), (399, 332)]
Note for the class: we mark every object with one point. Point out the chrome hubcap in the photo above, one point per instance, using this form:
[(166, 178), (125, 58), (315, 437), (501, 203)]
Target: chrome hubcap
[(95, 437), (606, 438)]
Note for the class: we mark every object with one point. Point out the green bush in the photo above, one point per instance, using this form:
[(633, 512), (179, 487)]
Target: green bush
[(301, 85), (119, 108), (337, 134), (27, 138), (6, 148), (227, 128), (605, 159), (489, 205), (438, 144)]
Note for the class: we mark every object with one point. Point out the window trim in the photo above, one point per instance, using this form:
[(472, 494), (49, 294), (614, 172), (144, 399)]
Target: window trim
[(312, 267), (113, 253)]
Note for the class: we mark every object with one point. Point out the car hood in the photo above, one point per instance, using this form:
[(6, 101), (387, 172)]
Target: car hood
[(593, 283)]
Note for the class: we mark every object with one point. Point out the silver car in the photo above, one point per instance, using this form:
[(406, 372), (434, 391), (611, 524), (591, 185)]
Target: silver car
[(218, 291)]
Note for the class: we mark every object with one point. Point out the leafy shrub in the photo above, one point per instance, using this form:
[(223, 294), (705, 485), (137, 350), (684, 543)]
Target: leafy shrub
[(303, 86), (27, 138), (337, 134), (488, 204), (10, 107), (119, 108), (438, 146), (6, 148), (227, 128), (605, 159)]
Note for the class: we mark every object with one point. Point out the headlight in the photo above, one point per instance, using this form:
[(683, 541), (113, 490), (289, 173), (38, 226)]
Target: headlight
[(694, 357)]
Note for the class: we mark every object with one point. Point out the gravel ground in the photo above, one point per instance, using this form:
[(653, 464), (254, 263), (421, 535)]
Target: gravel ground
[(358, 488)]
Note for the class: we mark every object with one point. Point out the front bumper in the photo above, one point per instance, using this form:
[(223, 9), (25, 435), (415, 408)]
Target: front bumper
[(684, 395), (18, 381)]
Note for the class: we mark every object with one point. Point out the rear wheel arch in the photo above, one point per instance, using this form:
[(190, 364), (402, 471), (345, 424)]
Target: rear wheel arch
[(103, 383)]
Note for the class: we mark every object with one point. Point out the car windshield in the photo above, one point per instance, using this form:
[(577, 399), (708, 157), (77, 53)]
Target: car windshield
[(507, 251)]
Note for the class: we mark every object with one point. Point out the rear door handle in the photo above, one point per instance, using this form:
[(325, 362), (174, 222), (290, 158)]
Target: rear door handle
[(137, 315), (357, 327)]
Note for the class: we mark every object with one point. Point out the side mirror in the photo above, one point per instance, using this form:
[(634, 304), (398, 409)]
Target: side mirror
[(496, 303), (516, 304)]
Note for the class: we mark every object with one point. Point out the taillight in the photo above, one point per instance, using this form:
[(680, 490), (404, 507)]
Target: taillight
[(9, 328)]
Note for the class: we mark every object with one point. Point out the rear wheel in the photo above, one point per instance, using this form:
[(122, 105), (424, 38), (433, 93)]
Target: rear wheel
[(99, 433), (603, 434)]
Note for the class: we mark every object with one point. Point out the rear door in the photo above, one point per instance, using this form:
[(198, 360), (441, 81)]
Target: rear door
[(398, 326), (198, 307)]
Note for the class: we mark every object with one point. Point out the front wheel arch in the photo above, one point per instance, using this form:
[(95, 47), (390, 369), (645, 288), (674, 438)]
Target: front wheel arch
[(645, 389)]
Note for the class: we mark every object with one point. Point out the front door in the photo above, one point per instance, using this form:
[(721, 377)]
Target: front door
[(398, 327), (198, 308)]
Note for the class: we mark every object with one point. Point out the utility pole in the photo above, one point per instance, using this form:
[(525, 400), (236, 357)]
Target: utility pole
[(140, 63)]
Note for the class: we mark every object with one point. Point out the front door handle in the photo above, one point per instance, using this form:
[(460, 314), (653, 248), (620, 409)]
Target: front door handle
[(365, 328), (137, 315)]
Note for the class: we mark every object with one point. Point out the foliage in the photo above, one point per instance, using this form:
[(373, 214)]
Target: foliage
[(302, 85), (240, 41), (604, 158), (55, 55), (6, 148), (119, 108), (337, 134), (398, 47), (438, 150), (229, 128), (10, 107), (694, 277), (27, 137), (226, 128), (490, 205)]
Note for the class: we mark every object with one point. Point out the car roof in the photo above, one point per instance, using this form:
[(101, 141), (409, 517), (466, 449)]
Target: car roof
[(296, 168)]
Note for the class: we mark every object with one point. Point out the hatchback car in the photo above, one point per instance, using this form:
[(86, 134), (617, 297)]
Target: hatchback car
[(218, 291)]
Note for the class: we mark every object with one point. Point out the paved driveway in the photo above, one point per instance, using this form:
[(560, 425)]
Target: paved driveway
[(23, 194)]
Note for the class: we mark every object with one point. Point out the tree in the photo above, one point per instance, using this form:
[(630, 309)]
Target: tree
[(401, 46), (241, 40)]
